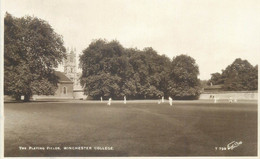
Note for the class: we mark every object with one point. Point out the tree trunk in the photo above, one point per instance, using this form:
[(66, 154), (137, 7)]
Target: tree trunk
[(27, 98), (17, 97)]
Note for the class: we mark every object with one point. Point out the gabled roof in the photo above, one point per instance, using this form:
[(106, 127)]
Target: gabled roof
[(62, 77)]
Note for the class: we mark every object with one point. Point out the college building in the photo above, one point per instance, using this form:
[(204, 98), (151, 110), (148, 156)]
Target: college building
[(68, 81)]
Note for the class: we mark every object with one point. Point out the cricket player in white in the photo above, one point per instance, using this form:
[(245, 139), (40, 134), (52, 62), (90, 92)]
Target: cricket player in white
[(124, 99), (109, 101), (170, 100), (215, 100)]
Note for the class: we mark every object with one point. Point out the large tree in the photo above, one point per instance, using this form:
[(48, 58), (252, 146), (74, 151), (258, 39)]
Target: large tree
[(31, 52), (184, 82), (240, 76), (103, 66), (151, 73)]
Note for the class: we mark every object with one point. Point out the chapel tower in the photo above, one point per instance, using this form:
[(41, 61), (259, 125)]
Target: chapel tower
[(70, 65)]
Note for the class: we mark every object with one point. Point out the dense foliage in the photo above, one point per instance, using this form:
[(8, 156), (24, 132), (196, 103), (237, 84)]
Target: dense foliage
[(32, 49), (216, 79), (239, 76), (109, 70), (184, 83)]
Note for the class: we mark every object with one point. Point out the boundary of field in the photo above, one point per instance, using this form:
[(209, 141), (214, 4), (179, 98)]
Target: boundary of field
[(134, 101)]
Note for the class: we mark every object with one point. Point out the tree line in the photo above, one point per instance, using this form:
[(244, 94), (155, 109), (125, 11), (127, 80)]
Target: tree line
[(33, 49), (110, 70)]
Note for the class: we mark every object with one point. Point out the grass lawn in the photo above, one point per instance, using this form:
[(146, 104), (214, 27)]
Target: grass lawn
[(134, 129)]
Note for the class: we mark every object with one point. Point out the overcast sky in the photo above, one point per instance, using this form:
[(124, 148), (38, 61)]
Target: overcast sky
[(213, 32)]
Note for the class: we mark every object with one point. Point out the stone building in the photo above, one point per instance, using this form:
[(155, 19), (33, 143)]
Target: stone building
[(65, 86), (71, 71)]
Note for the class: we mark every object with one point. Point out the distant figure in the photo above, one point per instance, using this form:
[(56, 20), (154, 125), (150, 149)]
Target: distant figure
[(230, 100), (215, 100), (101, 99), (163, 99), (170, 101), (109, 101), (235, 100), (159, 101), (124, 99)]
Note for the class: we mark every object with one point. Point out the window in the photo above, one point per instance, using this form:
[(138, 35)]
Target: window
[(64, 90)]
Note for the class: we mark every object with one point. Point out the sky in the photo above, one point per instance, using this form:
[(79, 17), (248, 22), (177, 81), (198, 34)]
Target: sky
[(213, 32)]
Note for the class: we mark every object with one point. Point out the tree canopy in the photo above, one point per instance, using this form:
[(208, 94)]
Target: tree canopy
[(184, 83), (110, 70), (239, 76), (216, 79), (31, 52)]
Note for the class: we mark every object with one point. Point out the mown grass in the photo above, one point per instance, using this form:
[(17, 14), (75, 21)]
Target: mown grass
[(134, 129)]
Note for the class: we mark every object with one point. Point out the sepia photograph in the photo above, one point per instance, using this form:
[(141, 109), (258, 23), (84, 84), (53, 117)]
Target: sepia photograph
[(129, 78)]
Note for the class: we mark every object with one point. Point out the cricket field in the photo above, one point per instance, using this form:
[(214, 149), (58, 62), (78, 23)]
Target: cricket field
[(138, 128)]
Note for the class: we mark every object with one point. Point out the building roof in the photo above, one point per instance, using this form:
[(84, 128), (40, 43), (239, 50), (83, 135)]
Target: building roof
[(214, 87), (62, 77)]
